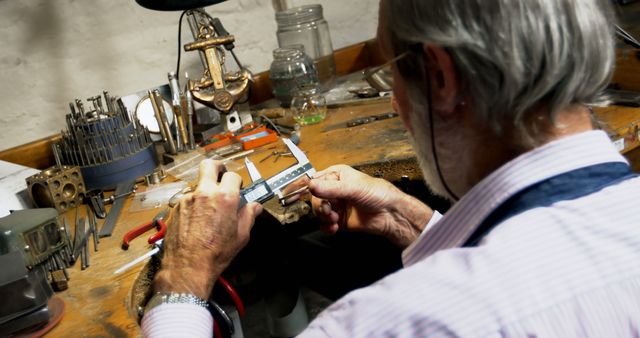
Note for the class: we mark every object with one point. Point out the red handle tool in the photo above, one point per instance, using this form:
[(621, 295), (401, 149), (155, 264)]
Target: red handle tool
[(156, 222)]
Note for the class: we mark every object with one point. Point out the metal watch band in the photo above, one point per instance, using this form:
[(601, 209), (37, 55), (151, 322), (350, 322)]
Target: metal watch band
[(174, 298)]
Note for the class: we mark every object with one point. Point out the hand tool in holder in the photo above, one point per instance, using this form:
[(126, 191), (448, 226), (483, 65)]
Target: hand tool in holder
[(179, 110), (163, 122)]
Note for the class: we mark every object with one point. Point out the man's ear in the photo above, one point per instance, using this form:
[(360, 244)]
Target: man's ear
[(445, 87)]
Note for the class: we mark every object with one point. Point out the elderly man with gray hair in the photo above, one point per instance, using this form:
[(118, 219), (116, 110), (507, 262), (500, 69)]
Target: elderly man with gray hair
[(542, 238)]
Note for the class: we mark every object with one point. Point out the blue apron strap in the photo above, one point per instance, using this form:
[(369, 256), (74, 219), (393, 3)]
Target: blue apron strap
[(567, 186)]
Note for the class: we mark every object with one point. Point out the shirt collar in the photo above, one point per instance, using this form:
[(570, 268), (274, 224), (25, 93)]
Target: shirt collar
[(554, 158)]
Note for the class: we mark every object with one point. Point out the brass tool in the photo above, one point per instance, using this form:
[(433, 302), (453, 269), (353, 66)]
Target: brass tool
[(178, 109), (163, 123), (189, 102)]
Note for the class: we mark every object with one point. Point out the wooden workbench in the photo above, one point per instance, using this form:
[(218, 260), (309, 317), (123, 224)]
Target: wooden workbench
[(98, 303)]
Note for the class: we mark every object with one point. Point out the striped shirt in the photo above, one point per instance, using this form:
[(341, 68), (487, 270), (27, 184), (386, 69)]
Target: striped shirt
[(568, 270)]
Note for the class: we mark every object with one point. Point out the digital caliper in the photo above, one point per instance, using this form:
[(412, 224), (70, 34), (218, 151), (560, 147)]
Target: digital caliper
[(261, 190)]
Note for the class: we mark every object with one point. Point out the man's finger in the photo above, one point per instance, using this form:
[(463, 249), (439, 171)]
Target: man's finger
[(330, 189), (247, 216), (330, 228), (230, 181), (209, 170)]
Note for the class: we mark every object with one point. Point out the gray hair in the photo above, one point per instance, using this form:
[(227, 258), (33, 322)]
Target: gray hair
[(513, 54)]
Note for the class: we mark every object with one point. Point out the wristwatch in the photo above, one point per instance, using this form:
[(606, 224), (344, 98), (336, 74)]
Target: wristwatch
[(175, 298), (224, 322)]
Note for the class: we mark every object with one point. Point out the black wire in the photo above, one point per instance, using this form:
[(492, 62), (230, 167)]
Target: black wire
[(179, 44), (433, 138)]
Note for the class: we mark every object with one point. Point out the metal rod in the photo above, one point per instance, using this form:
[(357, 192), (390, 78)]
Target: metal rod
[(189, 99), (56, 155), (161, 116), (193, 27)]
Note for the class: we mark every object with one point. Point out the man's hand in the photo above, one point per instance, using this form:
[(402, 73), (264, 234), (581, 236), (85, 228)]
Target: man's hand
[(344, 198), (205, 232)]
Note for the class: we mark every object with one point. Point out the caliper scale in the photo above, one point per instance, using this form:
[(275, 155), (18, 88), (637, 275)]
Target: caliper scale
[(261, 190)]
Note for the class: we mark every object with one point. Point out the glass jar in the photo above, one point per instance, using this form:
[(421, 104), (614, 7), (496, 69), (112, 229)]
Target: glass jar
[(290, 70), (306, 25), (308, 106)]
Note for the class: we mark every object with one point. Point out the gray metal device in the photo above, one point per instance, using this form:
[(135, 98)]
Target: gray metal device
[(262, 190), (24, 294), (35, 233)]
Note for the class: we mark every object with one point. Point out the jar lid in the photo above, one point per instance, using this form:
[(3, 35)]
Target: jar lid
[(299, 15), (287, 53)]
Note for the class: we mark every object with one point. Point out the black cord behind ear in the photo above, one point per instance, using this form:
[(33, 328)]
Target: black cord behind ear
[(433, 138)]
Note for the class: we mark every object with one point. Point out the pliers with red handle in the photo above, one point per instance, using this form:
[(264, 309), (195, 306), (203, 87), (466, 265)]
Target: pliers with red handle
[(156, 222)]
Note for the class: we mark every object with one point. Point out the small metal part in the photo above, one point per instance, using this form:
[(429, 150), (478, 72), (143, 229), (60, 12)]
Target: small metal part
[(229, 149), (109, 102), (175, 88), (62, 264), (360, 121), (56, 154), (96, 202), (67, 232), (80, 106), (114, 197), (86, 254), (83, 258), (96, 101), (155, 177), (284, 198), (364, 93), (273, 153), (181, 133), (78, 239), (92, 227), (59, 280)]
